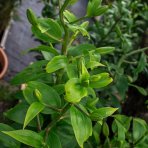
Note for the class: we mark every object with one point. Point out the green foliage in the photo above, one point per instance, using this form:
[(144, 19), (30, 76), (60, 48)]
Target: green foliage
[(60, 106)]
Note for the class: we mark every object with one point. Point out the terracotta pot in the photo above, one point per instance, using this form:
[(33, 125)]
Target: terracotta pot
[(3, 63)]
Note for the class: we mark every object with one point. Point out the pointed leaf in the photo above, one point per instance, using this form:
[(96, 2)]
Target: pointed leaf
[(69, 16), (103, 112), (31, 17), (48, 30), (34, 109), (45, 94), (100, 80), (105, 129), (56, 63), (139, 128), (94, 8), (121, 131), (81, 124), (45, 48), (27, 137), (105, 50), (5, 139), (140, 89), (17, 114), (32, 72)]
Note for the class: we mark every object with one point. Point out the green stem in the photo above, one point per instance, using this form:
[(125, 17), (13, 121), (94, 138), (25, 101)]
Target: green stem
[(80, 19), (122, 59), (130, 62), (38, 123), (53, 108), (53, 123), (136, 51), (66, 36), (81, 110), (73, 38)]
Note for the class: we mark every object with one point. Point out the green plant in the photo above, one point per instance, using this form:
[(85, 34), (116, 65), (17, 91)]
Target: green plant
[(60, 105), (60, 90), (123, 27)]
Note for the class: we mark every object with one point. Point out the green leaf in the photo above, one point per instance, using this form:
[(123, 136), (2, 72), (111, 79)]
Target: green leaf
[(84, 73), (100, 80), (124, 120), (94, 8), (80, 28), (74, 90), (32, 72), (102, 113), (31, 17), (105, 129), (6, 140), (121, 131), (80, 49), (105, 50), (121, 85), (47, 30), (18, 113), (48, 96), (47, 56), (60, 88), (72, 71), (57, 63), (141, 64), (81, 124), (33, 110), (27, 137), (93, 64), (140, 89), (69, 16), (139, 128), (45, 48), (53, 140)]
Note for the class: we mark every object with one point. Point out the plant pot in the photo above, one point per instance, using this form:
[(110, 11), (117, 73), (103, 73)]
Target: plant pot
[(3, 63)]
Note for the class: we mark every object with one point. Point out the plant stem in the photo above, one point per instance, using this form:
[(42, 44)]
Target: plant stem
[(73, 38), (80, 19), (130, 54), (66, 36), (53, 108), (81, 110), (53, 123), (38, 123), (136, 51)]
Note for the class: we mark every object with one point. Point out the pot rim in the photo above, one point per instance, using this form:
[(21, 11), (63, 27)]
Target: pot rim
[(5, 65)]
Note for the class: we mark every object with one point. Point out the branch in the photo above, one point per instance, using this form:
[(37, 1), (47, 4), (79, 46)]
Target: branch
[(64, 45), (53, 123), (136, 51)]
